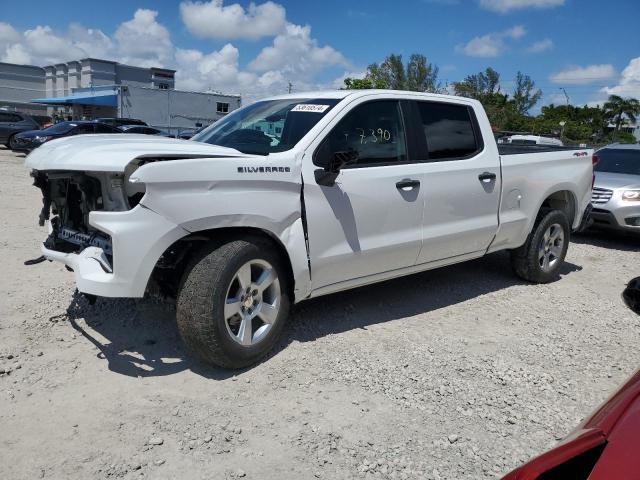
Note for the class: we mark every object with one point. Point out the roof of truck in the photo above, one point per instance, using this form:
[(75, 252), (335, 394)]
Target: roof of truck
[(361, 93)]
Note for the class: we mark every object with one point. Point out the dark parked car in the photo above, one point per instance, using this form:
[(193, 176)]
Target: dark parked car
[(143, 130), (119, 122), (12, 123), (27, 141)]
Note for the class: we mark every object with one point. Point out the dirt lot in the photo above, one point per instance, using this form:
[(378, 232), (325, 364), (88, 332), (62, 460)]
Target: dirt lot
[(462, 372)]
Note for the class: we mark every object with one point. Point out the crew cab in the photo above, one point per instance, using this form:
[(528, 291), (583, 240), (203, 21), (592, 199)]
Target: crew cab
[(298, 196)]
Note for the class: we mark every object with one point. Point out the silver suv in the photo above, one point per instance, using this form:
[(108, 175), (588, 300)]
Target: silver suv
[(616, 192)]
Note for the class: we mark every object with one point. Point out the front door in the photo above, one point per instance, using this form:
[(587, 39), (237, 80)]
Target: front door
[(370, 221)]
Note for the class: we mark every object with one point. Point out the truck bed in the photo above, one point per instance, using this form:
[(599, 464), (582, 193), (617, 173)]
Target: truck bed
[(510, 149)]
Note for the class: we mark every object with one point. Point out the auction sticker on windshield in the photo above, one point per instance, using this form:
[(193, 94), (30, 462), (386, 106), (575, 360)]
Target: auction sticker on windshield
[(309, 107)]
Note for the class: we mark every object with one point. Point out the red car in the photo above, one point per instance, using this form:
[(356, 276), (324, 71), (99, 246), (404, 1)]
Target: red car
[(605, 447)]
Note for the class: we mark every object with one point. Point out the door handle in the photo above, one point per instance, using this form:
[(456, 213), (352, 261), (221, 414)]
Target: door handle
[(487, 177), (408, 183)]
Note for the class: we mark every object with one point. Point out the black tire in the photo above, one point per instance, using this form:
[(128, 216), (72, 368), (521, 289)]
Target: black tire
[(10, 142), (202, 297), (526, 261)]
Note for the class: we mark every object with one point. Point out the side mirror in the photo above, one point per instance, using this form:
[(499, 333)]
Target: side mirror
[(327, 176)]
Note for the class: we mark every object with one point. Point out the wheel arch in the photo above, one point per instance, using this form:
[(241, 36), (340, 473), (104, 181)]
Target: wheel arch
[(563, 200), (170, 266)]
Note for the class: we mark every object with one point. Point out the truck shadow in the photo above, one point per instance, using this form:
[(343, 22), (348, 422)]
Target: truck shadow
[(614, 240), (139, 338)]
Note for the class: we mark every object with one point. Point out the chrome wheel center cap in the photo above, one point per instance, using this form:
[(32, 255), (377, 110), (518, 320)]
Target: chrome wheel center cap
[(248, 301)]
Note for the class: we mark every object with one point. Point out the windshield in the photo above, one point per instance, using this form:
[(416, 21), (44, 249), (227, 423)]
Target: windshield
[(619, 161), (268, 126), (60, 128)]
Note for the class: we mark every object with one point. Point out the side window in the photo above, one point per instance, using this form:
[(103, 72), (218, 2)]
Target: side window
[(373, 131), (82, 129), (449, 130), (103, 128), (6, 118)]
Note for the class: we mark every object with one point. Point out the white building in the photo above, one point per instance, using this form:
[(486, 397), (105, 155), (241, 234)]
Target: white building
[(92, 88)]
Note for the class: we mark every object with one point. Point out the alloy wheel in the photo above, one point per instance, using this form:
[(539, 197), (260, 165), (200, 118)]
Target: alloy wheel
[(551, 247), (252, 302)]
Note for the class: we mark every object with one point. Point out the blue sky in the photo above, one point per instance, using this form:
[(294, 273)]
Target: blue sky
[(589, 47)]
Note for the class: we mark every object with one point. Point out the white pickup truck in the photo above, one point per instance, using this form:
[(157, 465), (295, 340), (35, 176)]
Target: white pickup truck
[(298, 196)]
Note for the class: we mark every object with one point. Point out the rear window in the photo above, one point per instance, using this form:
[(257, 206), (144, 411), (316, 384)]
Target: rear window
[(449, 130), (617, 160)]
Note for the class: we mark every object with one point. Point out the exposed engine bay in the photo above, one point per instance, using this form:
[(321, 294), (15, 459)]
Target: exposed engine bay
[(69, 196)]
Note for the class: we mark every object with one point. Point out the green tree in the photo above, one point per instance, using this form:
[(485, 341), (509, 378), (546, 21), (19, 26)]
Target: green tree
[(617, 108), (481, 86), (421, 76), (418, 75), (524, 94), (357, 83)]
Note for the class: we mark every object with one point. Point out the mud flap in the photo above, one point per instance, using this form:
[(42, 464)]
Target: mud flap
[(586, 221)]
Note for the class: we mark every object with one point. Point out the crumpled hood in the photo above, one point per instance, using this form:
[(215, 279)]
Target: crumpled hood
[(112, 152), (612, 181)]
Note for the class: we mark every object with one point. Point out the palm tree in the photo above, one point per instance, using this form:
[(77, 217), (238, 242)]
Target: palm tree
[(617, 108)]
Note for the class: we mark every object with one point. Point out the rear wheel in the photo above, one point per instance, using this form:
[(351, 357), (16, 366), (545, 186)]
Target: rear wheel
[(233, 303), (539, 260)]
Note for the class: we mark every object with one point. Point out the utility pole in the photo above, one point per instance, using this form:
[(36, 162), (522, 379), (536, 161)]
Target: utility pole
[(290, 87), (563, 123)]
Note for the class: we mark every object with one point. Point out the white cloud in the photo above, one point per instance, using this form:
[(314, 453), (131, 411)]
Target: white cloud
[(504, 6), (541, 46), (339, 82), (293, 55), (143, 41), (16, 53), (576, 75), (629, 84), (8, 34), (42, 45), (491, 44), (294, 51), (43, 42), (215, 20), (515, 32)]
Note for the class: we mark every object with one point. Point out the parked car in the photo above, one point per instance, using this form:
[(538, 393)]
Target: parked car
[(356, 187), (12, 123), (534, 140), (118, 122), (616, 191), (27, 141), (144, 130), (603, 447)]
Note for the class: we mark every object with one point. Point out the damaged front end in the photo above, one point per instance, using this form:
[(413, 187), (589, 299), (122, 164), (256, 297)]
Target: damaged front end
[(68, 197)]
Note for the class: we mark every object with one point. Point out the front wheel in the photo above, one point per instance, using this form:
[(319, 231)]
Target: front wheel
[(539, 260), (11, 142), (233, 303)]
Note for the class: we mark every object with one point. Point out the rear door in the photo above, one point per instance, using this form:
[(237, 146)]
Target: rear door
[(461, 183), (370, 221)]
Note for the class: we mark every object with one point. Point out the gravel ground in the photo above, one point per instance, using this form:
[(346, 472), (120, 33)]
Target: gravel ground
[(462, 372)]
